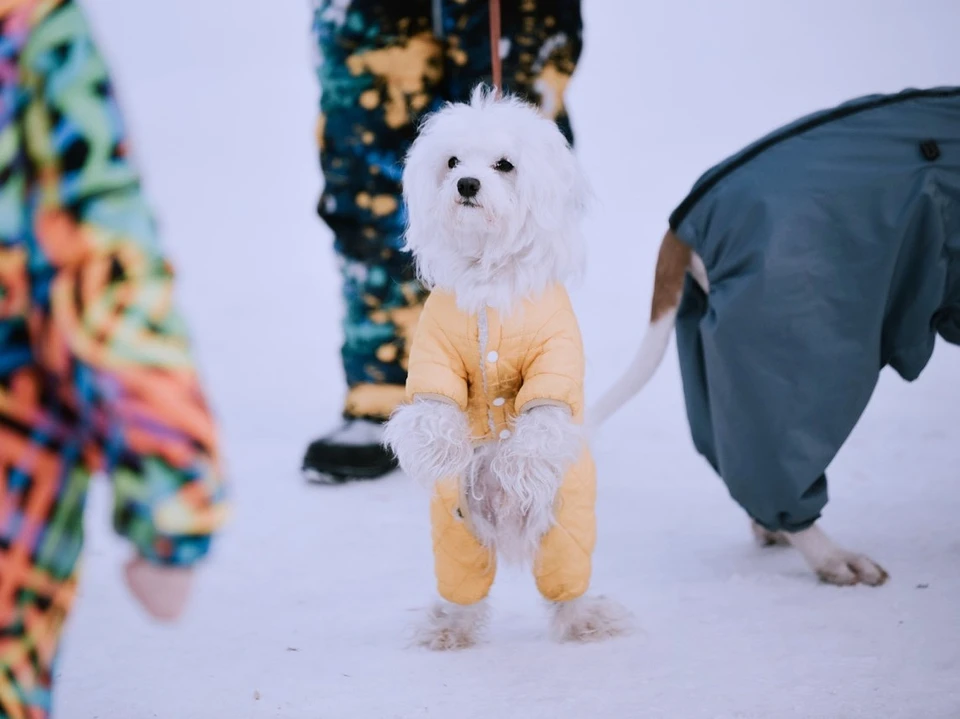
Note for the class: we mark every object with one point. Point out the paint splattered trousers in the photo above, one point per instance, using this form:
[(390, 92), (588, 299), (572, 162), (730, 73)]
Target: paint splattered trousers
[(382, 65), (95, 366)]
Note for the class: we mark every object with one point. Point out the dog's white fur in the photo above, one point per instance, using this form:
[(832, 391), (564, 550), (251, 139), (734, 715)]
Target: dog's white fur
[(452, 626), (518, 235), (513, 502), (831, 563), (588, 619), (431, 440), (525, 234)]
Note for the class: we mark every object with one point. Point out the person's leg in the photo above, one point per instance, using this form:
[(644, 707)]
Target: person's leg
[(96, 372), (541, 42), (384, 301), (41, 532), (380, 68)]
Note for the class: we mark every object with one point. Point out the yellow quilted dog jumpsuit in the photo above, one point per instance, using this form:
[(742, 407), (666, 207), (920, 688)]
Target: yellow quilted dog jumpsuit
[(494, 367)]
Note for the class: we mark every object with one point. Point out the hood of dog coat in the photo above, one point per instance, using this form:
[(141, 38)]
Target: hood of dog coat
[(832, 247)]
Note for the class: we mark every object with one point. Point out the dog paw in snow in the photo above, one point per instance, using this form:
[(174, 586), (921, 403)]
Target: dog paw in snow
[(849, 568), (589, 619), (450, 626), (832, 563)]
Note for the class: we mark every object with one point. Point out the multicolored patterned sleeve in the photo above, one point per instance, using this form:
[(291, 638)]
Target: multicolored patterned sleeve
[(102, 306)]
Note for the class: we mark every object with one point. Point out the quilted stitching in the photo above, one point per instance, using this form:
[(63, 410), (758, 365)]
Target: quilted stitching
[(542, 346)]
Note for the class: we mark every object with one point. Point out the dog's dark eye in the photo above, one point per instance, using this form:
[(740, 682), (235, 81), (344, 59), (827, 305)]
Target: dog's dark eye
[(503, 165), (452, 162)]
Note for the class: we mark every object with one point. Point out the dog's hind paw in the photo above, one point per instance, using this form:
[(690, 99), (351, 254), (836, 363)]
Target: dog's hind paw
[(450, 626), (589, 619), (834, 564), (848, 568)]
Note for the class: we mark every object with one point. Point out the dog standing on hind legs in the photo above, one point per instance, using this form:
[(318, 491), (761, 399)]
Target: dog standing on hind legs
[(493, 418), (793, 272)]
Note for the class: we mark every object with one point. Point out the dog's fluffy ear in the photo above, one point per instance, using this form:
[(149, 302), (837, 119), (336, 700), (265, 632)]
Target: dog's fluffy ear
[(552, 185), (421, 179), (553, 179)]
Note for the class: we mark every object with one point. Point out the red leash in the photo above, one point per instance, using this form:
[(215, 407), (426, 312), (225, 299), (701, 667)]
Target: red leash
[(495, 46)]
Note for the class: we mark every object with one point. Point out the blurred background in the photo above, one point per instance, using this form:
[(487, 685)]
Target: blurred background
[(301, 611)]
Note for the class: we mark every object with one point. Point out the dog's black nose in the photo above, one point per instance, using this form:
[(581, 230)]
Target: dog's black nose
[(468, 186)]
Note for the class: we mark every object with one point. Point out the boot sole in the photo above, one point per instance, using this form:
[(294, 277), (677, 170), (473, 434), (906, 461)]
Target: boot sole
[(342, 475)]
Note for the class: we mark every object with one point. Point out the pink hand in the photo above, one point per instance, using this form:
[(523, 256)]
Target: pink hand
[(162, 591)]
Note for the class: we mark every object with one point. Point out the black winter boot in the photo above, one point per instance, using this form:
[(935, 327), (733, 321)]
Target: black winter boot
[(351, 452)]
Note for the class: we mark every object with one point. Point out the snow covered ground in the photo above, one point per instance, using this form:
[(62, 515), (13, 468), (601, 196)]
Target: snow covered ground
[(302, 613)]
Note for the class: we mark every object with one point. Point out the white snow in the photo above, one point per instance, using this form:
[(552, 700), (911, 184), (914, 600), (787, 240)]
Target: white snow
[(304, 609)]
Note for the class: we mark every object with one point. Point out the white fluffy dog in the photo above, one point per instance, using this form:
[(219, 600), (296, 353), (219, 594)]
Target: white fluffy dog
[(494, 199)]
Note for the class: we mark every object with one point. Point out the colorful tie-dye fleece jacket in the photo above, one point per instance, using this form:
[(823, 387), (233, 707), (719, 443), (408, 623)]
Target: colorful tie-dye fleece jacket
[(95, 366)]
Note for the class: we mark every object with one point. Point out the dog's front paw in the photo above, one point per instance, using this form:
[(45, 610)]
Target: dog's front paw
[(589, 619), (532, 462), (430, 438), (450, 626)]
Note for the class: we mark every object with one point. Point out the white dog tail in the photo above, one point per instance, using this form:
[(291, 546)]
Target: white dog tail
[(645, 363), (672, 264)]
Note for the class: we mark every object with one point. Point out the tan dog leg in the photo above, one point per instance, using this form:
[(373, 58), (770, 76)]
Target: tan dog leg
[(465, 571), (563, 565)]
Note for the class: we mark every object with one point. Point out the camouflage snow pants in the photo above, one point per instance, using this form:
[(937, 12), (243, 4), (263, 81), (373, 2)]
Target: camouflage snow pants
[(382, 65)]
